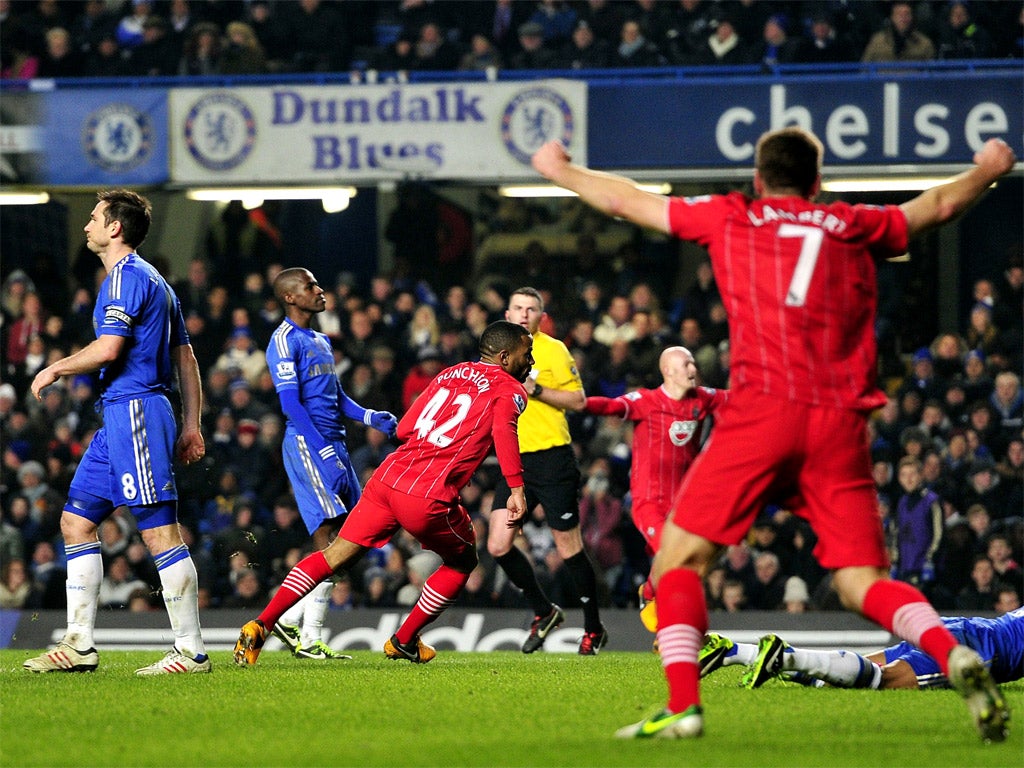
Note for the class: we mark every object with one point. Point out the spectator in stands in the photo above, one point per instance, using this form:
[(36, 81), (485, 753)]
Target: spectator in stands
[(981, 333), (432, 52), (129, 28), (615, 325), (532, 54), (202, 52), (981, 420), (1011, 473), (635, 50), (423, 331), (899, 40), (980, 594), (271, 32), (90, 26), (724, 45), (976, 382), (1007, 401), (601, 518), (984, 487), (243, 54), (242, 357), (15, 586), (584, 50), (557, 20), (316, 36), (824, 45), (248, 591), (775, 46), (48, 578), (1007, 599), (45, 504), (922, 378), (947, 351), (118, 584), (1000, 553), (918, 522), (28, 323), (60, 58), (157, 54), (242, 403), (428, 365), (701, 294), (482, 55), (960, 36), (604, 18), (734, 596), (769, 585), (644, 351)]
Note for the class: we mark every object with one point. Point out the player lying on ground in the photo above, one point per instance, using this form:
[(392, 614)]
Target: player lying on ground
[(999, 642)]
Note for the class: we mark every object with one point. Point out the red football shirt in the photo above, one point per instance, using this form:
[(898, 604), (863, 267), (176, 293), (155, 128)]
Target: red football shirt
[(797, 280), (450, 430), (666, 438)]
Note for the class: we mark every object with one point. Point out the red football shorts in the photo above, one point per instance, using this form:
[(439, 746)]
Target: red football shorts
[(443, 527), (766, 450), (649, 518)]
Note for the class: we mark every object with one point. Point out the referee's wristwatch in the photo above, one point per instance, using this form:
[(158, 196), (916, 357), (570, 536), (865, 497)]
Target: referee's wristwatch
[(537, 389)]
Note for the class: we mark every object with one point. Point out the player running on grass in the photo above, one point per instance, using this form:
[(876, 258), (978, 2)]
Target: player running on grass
[(999, 642), (446, 434), (315, 455), (798, 283), (669, 423)]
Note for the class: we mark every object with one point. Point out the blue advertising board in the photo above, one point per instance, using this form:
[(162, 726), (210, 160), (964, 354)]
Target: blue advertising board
[(73, 134), (715, 122)]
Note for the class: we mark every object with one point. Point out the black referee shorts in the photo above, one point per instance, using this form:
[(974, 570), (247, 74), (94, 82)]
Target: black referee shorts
[(553, 480)]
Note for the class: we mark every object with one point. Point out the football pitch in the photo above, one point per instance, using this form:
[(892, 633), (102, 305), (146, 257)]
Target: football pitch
[(465, 709)]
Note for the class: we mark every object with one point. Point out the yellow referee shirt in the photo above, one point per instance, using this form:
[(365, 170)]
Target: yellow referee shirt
[(543, 426)]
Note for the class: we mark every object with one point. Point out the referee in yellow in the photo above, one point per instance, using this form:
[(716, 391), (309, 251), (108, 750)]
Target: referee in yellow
[(552, 479)]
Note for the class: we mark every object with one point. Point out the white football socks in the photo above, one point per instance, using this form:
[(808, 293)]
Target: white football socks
[(85, 572), (315, 608), (181, 597)]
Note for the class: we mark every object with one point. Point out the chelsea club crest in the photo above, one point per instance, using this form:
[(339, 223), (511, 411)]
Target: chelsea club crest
[(220, 131), (117, 137), (534, 117)]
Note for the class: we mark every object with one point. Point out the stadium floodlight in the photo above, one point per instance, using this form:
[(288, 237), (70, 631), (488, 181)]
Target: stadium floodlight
[(550, 190), (334, 199), (24, 198), (891, 184)]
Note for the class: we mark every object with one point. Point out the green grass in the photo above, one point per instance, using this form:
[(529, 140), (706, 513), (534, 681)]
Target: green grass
[(464, 709)]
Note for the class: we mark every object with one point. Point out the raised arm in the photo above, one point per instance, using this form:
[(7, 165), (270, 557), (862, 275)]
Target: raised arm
[(191, 446), (608, 193), (945, 202)]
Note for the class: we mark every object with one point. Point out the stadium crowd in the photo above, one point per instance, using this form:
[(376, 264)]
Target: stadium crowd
[(948, 447), (139, 38)]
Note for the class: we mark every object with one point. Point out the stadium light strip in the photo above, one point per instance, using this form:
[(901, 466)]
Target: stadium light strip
[(549, 190), (919, 184), (24, 198), (334, 199)]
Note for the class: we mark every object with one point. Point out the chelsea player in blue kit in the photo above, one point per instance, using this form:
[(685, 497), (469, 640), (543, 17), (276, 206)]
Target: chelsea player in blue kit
[(141, 343), (316, 459), (999, 642)]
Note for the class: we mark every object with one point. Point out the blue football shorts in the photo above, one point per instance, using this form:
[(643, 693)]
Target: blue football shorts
[(924, 666), (317, 501), (130, 459)]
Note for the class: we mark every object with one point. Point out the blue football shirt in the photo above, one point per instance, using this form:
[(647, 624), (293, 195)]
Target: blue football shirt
[(302, 359), (137, 302)]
